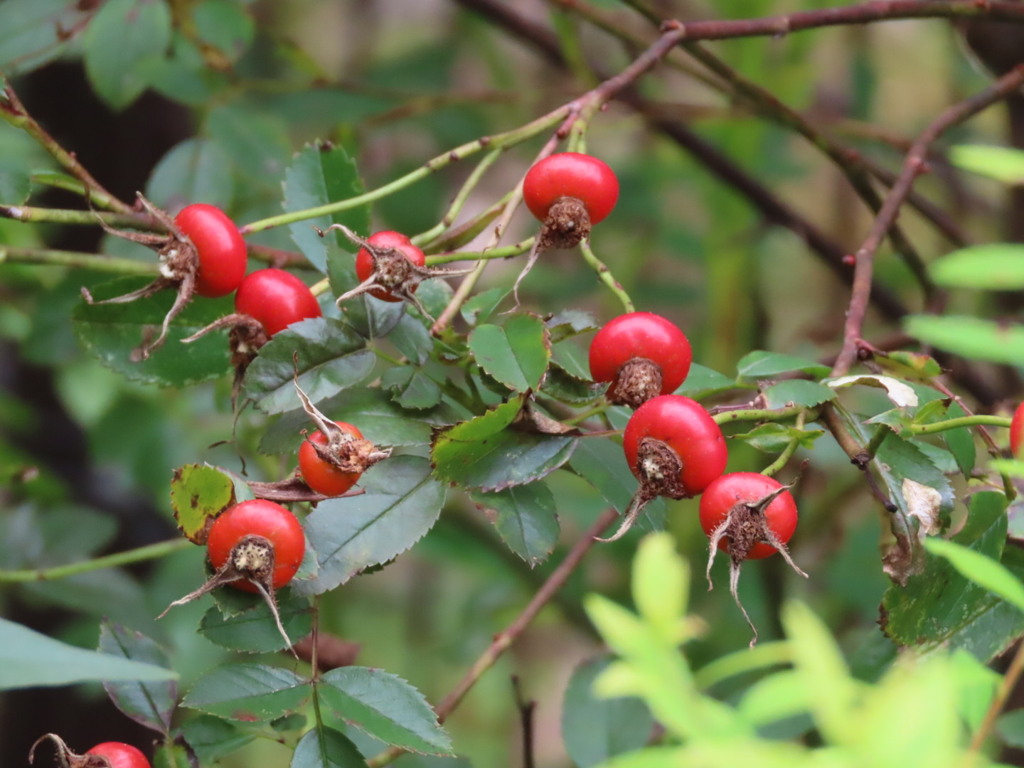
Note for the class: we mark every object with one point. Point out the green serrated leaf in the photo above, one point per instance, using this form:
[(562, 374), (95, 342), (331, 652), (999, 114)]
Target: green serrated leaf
[(254, 630), (123, 46), (150, 703), (29, 659), (411, 387), (761, 364), (481, 306), (248, 692), (328, 355), (386, 707), (400, 503), (1000, 163), (940, 607), (516, 354), (806, 394), (112, 332), (702, 381), (980, 569), (970, 337), (196, 170), (413, 339), (199, 493), (212, 738), (564, 387), (485, 453), (326, 748), (596, 729), (318, 175), (526, 519)]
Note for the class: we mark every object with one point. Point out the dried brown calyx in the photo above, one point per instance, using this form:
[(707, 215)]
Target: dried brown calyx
[(659, 469), (566, 224), (744, 527), (65, 757), (637, 381), (245, 339), (178, 265)]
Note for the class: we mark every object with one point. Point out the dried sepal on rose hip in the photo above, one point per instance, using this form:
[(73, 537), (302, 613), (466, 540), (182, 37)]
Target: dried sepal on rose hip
[(568, 193), (674, 448), (389, 267), (255, 546), (267, 301), (750, 516), (641, 355), (108, 754), (203, 254), (332, 459)]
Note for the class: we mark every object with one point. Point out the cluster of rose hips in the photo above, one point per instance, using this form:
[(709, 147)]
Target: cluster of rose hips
[(671, 443)]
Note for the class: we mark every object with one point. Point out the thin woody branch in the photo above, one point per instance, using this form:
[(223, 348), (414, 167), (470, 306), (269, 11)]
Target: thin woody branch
[(913, 165)]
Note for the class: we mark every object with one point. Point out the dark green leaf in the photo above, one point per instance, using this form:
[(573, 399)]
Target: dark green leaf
[(480, 307), (526, 518), (254, 630), (569, 323), (331, 357), (386, 707), (596, 729), (411, 387), (224, 25), (196, 170), (326, 748), (412, 339), (969, 337), (516, 354), (941, 608), (123, 45), (150, 703), (248, 692), (30, 33), (29, 659), (257, 141), (112, 332), (486, 453), (797, 392), (981, 569), (316, 176), (212, 738), (702, 381), (760, 364), (564, 387), (900, 460), (380, 420), (772, 437), (400, 504)]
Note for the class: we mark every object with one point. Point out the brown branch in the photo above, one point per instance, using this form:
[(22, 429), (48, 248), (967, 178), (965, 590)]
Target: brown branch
[(504, 639), (913, 165)]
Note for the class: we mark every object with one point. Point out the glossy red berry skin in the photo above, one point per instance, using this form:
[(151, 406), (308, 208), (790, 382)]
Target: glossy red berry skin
[(322, 476), (1017, 432), (276, 298), (120, 755), (688, 429), (571, 174), (387, 239), (259, 517), (748, 487), (643, 335), (219, 245)]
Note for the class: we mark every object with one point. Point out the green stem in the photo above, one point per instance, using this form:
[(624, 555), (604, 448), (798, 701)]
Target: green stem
[(757, 414), (495, 253), (77, 259), (14, 112), (964, 421), (500, 140), (606, 276), (460, 199), (148, 552), (783, 458), (881, 432), (69, 184), (87, 218)]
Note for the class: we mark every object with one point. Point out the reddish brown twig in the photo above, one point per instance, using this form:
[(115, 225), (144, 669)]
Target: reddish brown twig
[(913, 165)]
